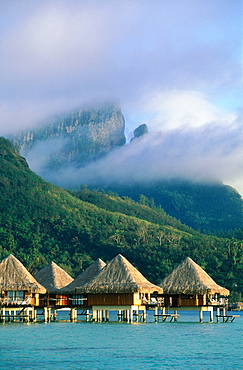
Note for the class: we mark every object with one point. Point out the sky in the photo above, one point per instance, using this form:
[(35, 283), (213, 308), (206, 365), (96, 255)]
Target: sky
[(174, 65)]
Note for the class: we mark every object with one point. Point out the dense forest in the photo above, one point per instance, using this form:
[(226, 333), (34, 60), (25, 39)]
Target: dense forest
[(211, 208), (40, 222)]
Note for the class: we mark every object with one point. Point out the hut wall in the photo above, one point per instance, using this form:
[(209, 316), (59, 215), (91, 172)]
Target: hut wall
[(42, 300), (111, 299), (183, 300), (167, 301), (189, 300), (202, 300)]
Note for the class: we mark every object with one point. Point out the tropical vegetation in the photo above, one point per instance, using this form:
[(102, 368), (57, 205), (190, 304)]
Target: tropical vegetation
[(40, 222)]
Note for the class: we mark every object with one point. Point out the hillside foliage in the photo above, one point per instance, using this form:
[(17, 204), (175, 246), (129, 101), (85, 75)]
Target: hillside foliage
[(207, 207)]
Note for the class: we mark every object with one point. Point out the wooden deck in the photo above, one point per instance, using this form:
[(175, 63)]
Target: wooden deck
[(164, 316), (227, 318)]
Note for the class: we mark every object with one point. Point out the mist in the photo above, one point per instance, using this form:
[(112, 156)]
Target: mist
[(210, 153)]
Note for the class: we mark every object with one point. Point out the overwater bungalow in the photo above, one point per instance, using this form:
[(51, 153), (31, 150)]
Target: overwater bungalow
[(119, 286), (17, 285), (83, 278), (19, 291), (190, 287), (53, 278)]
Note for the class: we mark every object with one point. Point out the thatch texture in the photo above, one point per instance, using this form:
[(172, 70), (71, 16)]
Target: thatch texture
[(85, 276), (14, 276), (53, 277), (190, 278), (119, 276)]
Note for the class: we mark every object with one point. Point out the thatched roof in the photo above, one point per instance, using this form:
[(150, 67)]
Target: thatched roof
[(14, 276), (190, 278), (119, 276), (85, 276), (53, 277)]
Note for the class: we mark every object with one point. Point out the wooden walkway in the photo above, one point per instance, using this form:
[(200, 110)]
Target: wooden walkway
[(164, 316), (227, 318)]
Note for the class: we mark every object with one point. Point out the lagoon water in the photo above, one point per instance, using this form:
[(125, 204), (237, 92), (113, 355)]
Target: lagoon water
[(186, 344)]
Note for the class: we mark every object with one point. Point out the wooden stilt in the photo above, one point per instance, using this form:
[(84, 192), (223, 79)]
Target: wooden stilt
[(156, 310), (33, 314), (224, 314), (26, 314), (201, 315), (49, 314), (131, 315), (144, 316), (211, 315), (94, 315), (136, 316), (3, 313), (45, 314), (218, 314), (73, 314)]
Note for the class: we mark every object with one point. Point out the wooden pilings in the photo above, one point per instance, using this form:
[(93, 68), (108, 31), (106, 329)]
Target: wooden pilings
[(163, 315), (25, 314), (222, 314), (127, 314), (132, 315)]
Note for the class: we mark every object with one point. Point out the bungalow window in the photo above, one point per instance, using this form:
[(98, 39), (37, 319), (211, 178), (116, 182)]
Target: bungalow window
[(78, 299), (15, 296)]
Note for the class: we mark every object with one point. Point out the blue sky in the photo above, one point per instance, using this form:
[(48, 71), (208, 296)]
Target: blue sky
[(176, 65)]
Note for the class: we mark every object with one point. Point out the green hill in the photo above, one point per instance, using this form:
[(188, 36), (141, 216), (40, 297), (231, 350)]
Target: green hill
[(207, 207), (40, 222)]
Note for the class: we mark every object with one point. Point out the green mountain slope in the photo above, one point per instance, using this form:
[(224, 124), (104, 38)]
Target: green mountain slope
[(40, 222), (207, 207), (114, 203)]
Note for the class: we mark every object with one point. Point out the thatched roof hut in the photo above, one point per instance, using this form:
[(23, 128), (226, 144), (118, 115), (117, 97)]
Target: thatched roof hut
[(15, 277), (85, 276), (119, 276), (53, 277), (190, 278)]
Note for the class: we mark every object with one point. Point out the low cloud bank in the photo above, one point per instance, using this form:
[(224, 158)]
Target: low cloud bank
[(208, 153)]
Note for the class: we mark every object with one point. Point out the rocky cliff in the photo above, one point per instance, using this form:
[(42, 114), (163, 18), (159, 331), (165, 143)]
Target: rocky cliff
[(76, 139)]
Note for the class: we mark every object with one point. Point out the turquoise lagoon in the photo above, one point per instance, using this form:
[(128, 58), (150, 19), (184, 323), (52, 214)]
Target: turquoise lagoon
[(186, 344)]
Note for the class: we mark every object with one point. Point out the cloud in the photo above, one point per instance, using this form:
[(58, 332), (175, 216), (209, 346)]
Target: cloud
[(211, 152), (171, 64), (168, 110), (39, 156), (59, 51)]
